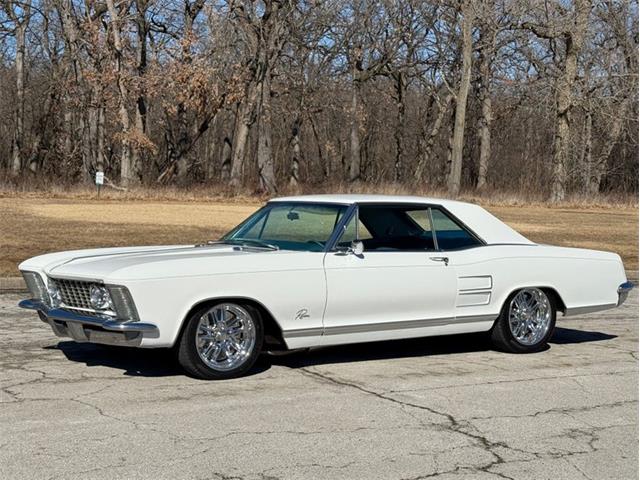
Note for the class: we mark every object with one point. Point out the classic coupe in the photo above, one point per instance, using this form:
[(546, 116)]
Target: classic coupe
[(324, 270)]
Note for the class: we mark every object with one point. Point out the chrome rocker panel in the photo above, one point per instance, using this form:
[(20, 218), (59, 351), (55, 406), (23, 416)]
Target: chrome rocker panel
[(91, 328)]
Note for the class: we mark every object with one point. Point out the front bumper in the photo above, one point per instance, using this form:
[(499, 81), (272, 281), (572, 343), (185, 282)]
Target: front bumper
[(623, 291), (91, 328)]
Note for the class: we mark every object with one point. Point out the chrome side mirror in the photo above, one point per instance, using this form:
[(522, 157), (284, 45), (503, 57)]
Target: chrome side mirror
[(356, 248)]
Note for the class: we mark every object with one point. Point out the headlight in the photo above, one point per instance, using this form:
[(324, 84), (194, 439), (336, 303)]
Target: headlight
[(100, 298), (54, 294)]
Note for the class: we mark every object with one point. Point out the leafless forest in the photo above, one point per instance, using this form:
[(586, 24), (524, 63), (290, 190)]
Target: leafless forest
[(510, 95)]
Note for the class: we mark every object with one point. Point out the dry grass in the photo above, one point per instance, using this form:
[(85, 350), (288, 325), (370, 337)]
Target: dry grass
[(225, 194), (31, 225)]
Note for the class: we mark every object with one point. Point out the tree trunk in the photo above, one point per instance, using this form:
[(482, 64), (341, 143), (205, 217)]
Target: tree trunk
[(356, 125), (429, 143), (100, 159), (457, 144), (179, 159), (244, 120), (294, 175), (325, 161), (141, 102), (74, 69), (573, 42), (586, 157), (599, 167), (266, 172), (225, 169), (18, 134), (486, 112), (401, 87), (127, 174)]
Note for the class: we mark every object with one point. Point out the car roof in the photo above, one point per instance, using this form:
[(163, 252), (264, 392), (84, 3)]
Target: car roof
[(348, 199), (481, 222)]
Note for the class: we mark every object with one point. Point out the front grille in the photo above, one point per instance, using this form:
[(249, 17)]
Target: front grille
[(75, 294)]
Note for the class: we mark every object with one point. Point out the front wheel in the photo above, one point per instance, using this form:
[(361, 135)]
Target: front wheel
[(221, 341), (526, 322)]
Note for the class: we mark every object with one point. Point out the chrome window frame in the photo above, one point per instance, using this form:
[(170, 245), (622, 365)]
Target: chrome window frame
[(354, 210)]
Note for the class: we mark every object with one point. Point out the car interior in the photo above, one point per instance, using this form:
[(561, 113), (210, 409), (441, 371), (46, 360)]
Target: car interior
[(401, 228)]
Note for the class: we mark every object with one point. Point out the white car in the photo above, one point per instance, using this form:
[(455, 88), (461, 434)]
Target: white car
[(324, 270)]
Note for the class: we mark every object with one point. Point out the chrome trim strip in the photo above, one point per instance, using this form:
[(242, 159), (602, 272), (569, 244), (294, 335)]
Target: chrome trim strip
[(302, 332), (74, 278), (490, 287), (386, 326), (588, 309), (99, 321)]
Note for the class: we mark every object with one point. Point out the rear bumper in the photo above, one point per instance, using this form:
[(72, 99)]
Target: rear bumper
[(91, 328), (623, 291)]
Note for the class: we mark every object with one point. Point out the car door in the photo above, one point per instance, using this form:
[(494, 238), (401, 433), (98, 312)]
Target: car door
[(397, 286), (469, 258)]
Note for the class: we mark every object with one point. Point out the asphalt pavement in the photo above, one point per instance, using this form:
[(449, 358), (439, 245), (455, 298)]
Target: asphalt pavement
[(443, 407)]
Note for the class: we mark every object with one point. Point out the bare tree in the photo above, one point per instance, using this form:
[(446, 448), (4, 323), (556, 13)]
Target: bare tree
[(263, 30), (287, 94), (467, 14), (570, 28), (20, 14), (127, 174)]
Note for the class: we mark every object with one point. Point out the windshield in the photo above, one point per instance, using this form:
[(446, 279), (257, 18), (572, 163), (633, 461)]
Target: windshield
[(289, 226)]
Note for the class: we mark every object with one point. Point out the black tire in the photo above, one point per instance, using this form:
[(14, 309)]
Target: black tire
[(190, 359), (503, 338)]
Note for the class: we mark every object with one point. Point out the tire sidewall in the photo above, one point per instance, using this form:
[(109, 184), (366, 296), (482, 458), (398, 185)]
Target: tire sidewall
[(190, 359)]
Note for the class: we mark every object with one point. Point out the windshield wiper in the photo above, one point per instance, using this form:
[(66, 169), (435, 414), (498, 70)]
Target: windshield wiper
[(247, 242)]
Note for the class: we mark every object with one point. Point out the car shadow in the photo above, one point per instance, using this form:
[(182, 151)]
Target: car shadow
[(133, 361), (418, 347), (162, 362), (563, 336)]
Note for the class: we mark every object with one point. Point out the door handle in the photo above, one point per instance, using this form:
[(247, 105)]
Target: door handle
[(440, 259)]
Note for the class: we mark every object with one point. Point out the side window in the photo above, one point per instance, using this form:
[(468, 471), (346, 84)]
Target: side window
[(350, 234), (449, 234), (392, 228)]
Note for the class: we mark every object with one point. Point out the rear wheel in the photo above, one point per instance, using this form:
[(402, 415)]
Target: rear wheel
[(526, 322), (221, 341)]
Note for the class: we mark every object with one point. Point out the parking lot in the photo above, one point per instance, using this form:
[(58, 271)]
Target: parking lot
[(446, 407)]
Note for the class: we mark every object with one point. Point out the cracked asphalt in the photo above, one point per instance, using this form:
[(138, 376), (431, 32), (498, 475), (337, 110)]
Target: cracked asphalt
[(446, 407)]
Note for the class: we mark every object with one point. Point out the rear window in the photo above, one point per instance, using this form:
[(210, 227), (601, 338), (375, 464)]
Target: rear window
[(449, 234)]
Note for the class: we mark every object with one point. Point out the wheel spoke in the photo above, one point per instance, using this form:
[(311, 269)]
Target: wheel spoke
[(236, 345), (225, 336), (233, 321), (208, 349), (215, 353), (529, 316)]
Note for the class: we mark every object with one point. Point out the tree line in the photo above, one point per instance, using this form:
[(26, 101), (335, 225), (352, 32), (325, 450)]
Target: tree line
[(535, 95)]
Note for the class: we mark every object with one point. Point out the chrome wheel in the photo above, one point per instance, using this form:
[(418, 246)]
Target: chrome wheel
[(529, 316), (225, 337)]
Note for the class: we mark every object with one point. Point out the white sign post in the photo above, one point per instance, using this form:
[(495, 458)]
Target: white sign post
[(99, 180)]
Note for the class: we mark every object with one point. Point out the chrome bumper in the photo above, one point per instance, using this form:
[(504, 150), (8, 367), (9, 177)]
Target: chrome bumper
[(623, 292), (91, 328)]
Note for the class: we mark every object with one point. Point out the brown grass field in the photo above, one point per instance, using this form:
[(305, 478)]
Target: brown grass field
[(30, 225)]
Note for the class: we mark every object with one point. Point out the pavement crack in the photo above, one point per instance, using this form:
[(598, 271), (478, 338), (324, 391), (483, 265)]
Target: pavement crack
[(455, 425), (564, 410)]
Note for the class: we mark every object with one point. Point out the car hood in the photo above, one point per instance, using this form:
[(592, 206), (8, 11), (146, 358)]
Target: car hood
[(110, 264)]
